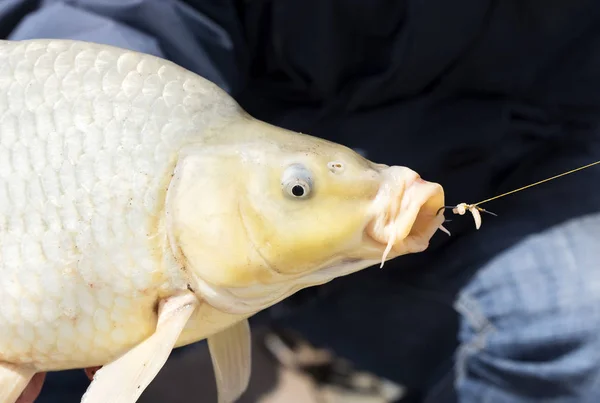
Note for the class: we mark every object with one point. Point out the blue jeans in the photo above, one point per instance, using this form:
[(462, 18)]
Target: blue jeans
[(530, 322)]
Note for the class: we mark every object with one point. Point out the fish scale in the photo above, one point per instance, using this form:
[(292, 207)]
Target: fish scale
[(89, 137)]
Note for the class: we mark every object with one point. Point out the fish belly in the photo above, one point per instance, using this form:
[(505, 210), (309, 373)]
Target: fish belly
[(89, 136)]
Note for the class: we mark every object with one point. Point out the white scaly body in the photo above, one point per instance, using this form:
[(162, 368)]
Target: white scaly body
[(89, 138)]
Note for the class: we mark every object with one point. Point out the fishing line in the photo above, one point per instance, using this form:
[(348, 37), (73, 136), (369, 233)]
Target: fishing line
[(474, 208), (537, 183)]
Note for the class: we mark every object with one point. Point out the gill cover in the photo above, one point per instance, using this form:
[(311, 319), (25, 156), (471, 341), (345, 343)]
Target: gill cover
[(203, 217)]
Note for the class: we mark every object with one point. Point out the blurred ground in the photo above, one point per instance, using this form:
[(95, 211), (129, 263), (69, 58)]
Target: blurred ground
[(285, 368)]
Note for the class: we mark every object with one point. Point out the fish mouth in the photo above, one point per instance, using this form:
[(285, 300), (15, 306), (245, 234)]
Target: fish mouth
[(427, 220), (407, 215)]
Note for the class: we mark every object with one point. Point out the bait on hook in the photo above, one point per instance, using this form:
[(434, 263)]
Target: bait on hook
[(475, 210)]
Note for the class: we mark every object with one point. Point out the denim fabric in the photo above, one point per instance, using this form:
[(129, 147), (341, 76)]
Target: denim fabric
[(530, 321)]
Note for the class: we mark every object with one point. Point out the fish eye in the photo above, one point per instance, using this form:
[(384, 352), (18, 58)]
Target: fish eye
[(298, 190), (297, 181)]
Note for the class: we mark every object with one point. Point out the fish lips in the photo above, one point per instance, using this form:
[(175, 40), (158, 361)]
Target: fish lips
[(407, 216)]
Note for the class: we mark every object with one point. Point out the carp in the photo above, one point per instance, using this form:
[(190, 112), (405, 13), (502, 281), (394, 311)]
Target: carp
[(142, 209)]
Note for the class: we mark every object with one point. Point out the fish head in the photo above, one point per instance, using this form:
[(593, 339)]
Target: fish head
[(260, 212)]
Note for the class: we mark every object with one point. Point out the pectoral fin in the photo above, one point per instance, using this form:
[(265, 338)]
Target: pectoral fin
[(13, 381), (124, 380), (230, 351)]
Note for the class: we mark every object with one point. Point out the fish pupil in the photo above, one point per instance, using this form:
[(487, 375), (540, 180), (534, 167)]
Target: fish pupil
[(298, 191)]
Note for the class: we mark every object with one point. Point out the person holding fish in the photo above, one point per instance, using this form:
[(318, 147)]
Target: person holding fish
[(481, 98)]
